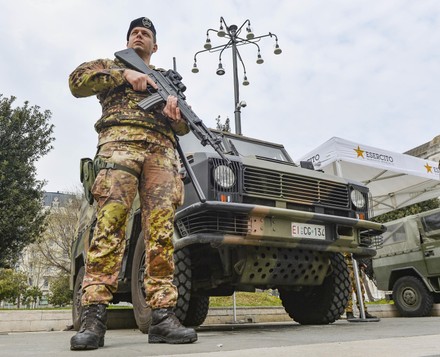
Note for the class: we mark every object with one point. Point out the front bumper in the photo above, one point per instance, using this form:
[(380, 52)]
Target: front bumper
[(225, 223)]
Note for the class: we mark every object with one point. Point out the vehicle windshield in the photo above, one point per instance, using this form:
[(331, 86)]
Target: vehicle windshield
[(242, 147), (191, 144), (250, 148)]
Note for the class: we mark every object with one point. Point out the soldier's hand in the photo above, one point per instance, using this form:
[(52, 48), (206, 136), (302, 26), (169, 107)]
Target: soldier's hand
[(139, 81), (171, 110)]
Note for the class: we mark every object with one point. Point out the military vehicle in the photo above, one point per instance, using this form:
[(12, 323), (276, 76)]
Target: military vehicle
[(259, 221), (408, 264)]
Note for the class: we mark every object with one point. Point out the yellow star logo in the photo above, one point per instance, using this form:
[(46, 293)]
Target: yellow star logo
[(359, 152), (428, 168)]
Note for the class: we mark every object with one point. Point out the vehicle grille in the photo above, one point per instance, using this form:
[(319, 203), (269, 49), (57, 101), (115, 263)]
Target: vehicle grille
[(294, 188), (206, 222)]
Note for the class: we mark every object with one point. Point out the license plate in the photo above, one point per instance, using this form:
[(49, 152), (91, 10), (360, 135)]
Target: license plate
[(302, 230)]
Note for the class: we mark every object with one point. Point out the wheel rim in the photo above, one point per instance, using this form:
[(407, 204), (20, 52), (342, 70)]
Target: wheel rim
[(409, 297), (77, 307)]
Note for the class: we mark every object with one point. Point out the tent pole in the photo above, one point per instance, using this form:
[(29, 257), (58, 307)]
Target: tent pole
[(358, 288), (355, 264)]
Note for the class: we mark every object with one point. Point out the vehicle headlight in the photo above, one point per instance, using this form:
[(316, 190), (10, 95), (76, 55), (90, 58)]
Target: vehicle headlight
[(357, 198), (224, 176)]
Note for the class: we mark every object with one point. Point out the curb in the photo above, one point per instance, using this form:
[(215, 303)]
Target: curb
[(54, 320)]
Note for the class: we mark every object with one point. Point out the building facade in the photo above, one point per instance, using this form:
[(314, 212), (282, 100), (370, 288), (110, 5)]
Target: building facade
[(429, 150), (33, 263)]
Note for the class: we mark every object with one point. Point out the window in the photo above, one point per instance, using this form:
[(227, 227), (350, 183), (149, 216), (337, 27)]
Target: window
[(431, 222), (395, 233)]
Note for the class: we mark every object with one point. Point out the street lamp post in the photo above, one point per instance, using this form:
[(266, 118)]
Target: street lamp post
[(232, 34)]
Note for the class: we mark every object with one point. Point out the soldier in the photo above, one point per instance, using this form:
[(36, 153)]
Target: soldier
[(349, 308), (136, 152)]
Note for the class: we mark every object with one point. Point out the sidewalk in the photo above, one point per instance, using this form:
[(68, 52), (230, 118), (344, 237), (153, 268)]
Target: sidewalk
[(58, 320), (403, 337)]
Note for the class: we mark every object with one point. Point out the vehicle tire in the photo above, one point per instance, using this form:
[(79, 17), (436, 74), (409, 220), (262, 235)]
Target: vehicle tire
[(142, 313), (320, 305), (197, 311), (77, 293), (411, 297), (191, 310)]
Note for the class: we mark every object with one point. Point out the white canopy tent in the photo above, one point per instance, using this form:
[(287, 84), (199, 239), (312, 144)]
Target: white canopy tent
[(395, 180)]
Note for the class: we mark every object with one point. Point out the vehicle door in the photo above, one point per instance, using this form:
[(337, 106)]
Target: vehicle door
[(430, 237)]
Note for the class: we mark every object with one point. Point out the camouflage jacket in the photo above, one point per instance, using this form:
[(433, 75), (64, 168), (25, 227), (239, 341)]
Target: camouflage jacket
[(122, 119)]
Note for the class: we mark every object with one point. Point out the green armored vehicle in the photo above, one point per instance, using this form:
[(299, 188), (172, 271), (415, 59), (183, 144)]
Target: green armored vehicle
[(409, 263), (257, 222)]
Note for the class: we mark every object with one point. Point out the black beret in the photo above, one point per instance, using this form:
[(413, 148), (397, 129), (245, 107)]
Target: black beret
[(142, 22)]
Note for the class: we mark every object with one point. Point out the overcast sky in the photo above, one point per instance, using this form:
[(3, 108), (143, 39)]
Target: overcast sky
[(363, 70)]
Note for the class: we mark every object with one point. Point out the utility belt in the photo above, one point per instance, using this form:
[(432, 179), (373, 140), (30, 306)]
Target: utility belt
[(89, 169)]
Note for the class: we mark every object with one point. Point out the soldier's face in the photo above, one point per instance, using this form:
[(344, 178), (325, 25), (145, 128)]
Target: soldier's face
[(142, 39)]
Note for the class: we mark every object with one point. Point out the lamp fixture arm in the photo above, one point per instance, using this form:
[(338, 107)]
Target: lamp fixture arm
[(234, 40)]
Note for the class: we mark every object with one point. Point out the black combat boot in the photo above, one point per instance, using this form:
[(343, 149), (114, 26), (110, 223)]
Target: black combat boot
[(166, 328), (93, 326), (349, 315)]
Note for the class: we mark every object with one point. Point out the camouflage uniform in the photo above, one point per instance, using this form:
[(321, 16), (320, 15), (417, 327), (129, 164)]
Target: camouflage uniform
[(349, 308), (143, 142)]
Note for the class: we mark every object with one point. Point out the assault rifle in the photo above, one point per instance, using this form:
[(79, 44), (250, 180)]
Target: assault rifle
[(169, 83)]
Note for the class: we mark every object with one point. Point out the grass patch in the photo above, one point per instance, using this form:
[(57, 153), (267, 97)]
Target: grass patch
[(245, 300), (381, 302), (120, 307), (34, 309)]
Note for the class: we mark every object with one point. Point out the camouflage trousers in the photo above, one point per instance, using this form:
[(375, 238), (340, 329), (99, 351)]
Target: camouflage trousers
[(160, 191), (353, 290)]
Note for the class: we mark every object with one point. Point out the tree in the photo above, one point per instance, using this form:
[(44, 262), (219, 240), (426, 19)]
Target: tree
[(31, 296), (408, 211), (55, 244), (12, 285), (25, 136), (60, 294)]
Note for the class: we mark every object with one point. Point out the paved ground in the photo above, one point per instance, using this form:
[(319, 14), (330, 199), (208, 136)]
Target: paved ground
[(390, 337)]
